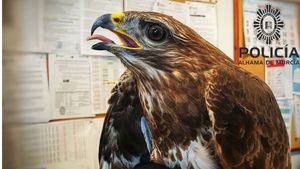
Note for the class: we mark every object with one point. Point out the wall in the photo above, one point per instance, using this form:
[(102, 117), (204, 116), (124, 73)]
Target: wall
[(41, 48)]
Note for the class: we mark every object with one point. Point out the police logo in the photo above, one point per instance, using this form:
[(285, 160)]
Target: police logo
[(268, 24)]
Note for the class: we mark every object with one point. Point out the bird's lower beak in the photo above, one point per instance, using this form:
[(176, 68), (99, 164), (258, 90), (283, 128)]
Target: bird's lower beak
[(112, 23)]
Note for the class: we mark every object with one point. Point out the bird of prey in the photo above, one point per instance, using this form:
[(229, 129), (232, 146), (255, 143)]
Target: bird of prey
[(182, 103)]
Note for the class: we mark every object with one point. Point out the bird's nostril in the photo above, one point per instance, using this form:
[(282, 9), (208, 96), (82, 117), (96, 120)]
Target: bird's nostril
[(116, 20)]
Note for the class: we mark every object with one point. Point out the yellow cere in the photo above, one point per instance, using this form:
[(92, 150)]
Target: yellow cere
[(117, 17)]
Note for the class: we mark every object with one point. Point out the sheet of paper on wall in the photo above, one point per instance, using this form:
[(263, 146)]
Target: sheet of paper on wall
[(279, 78), (296, 76), (56, 145), (297, 115), (178, 10), (203, 19), (90, 11), (70, 86), (288, 14), (137, 5), (25, 88), (286, 108), (61, 26), (22, 20), (95, 134), (106, 71)]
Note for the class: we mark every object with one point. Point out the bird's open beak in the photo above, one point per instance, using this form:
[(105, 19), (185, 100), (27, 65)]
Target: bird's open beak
[(111, 22)]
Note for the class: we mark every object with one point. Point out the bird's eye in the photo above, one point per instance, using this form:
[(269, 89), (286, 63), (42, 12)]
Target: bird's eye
[(156, 32)]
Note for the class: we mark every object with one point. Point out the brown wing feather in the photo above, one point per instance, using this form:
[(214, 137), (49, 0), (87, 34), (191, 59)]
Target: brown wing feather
[(122, 144), (247, 125)]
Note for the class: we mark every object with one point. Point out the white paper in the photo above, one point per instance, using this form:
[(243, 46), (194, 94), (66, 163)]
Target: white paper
[(70, 86), (61, 26), (203, 19), (288, 11), (297, 116), (296, 78), (279, 78), (25, 88), (95, 141), (286, 108), (295, 159), (137, 5), (91, 10), (106, 71), (178, 10), (56, 145)]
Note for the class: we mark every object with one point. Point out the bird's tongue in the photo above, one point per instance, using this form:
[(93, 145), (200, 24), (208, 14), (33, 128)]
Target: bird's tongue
[(101, 38), (125, 40)]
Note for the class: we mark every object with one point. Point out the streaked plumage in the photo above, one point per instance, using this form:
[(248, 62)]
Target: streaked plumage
[(201, 110)]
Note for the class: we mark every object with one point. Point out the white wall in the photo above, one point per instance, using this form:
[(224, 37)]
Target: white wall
[(225, 26)]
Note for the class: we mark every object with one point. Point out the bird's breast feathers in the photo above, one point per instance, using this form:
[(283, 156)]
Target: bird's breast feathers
[(194, 156)]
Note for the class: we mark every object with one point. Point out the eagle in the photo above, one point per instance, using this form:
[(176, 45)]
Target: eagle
[(182, 103)]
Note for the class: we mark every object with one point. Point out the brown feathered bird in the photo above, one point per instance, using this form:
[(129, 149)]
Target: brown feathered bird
[(183, 103)]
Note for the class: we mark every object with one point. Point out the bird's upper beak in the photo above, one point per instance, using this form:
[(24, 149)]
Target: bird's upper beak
[(112, 23)]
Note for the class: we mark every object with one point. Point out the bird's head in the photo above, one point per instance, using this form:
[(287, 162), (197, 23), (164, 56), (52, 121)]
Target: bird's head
[(151, 42)]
